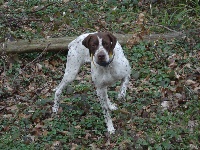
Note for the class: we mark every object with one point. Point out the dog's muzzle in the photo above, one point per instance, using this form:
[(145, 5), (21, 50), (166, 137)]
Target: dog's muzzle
[(101, 59), (105, 63)]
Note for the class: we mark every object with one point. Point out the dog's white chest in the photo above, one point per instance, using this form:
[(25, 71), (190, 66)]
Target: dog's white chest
[(104, 76)]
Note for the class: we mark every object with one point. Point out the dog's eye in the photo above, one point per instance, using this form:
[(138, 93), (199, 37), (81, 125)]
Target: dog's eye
[(105, 44)]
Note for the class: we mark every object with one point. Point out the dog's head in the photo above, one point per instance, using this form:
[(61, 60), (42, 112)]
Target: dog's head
[(101, 47)]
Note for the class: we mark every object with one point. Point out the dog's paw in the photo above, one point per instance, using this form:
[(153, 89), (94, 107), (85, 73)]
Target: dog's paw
[(112, 106), (55, 109), (111, 130), (121, 96)]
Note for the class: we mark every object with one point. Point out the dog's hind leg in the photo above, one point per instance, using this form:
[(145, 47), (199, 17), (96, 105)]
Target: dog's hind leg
[(72, 69)]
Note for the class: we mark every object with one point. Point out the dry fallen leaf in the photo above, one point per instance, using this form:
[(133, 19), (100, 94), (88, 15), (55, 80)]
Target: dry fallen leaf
[(38, 67), (56, 145), (198, 69), (177, 75), (190, 82), (94, 146), (12, 108), (2, 107), (9, 88), (141, 19), (45, 133), (7, 116), (178, 95), (197, 90), (74, 146), (165, 105)]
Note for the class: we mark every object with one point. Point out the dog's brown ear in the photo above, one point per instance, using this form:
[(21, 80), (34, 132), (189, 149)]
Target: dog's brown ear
[(113, 39), (86, 41)]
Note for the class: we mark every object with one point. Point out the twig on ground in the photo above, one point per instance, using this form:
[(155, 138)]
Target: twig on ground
[(159, 25), (42, 8), (188, 89), (44, 51), (2, 56), (166, 28)]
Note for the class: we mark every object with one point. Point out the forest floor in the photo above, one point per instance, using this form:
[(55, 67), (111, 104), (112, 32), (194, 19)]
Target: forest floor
[(162, 106)]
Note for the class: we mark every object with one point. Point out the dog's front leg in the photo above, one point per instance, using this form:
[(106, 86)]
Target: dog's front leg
[(103, 98), (123, 88)]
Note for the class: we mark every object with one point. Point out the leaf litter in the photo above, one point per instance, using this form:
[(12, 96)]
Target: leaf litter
[(163, 96), (30, 99)]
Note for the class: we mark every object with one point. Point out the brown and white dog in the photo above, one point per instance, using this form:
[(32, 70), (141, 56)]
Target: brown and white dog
[(108, 64)]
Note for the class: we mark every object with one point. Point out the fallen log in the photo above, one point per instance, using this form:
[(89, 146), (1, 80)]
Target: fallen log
[(57, 44)]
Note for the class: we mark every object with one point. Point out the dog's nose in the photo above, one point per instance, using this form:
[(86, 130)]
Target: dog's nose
[(101, 56)]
